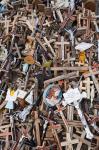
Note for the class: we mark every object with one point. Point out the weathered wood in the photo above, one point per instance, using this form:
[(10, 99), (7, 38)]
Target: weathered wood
[(18, 51), (4, 126), (89, 74), (70, 113), (69, 68), (4, 134), (48, 31), (2, 105), (80, 143), (75, 141), (38, 40), (51, 49), (88, 84), (94, 79), (57, 138), (82, 140), (72, 123), (38, 137), (69, 75)]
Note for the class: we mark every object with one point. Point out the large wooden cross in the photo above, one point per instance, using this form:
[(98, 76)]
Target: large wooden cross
[(62, 47), (81, 140)]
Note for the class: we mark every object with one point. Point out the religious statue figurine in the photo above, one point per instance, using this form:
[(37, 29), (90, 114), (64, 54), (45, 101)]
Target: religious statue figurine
[(83, 48), (82, 57), (11, 97)]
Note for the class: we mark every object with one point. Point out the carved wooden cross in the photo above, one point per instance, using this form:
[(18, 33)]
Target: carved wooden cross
[(62, 45)]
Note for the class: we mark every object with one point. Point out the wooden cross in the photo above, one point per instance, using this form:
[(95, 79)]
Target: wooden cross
[(49, 45), (68, 137), (70, 111), (50, 41), (63, 44), (43, 47), (87, 86), (82, 140), (5, 133), (80, 143), (86, 20), (47, 23), (69, 142)]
